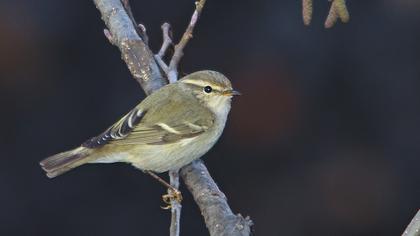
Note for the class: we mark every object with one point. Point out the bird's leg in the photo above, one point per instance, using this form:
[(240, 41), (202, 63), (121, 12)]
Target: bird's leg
[(174, 194), (166, 184)]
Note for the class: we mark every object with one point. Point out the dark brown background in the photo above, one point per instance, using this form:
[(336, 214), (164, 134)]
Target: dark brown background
[(324, 141)]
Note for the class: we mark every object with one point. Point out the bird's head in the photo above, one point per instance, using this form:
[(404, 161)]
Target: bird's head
[(212, 88)]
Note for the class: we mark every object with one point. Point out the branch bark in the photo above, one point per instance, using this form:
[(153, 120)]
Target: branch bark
[(212, 202), (174, 229), (413, 229), (142, 64), (134, 51)]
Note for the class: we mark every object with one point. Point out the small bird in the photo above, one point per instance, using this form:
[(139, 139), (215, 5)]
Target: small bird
[(169, 129)]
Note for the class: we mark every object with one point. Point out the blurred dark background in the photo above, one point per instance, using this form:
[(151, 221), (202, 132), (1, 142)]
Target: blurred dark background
[(324, 141)]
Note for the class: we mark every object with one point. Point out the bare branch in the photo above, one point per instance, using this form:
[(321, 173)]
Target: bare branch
[(167, 39), (338, 10), (218, 216), (413, 229), (141, 30), (179, 48), (162, 64), (175, 205), (143, 66), (134, 51)]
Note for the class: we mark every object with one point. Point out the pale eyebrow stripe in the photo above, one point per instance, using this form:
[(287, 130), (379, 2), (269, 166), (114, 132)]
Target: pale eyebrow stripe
[(202, 84)]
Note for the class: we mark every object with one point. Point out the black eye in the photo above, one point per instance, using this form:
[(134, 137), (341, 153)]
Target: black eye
[(208, 89)]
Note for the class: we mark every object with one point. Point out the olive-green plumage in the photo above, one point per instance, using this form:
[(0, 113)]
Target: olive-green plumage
[(170, 128)]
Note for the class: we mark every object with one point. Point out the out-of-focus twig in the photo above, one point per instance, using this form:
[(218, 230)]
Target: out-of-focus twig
[(338, 10), (342, 12), (331, 18), (307, 10)]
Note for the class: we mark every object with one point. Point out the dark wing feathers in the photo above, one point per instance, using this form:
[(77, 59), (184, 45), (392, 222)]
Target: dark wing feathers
[(161, 133), (118, 131)]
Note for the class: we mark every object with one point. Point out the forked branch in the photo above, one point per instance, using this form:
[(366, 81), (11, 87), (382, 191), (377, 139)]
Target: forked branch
[(144, 66)]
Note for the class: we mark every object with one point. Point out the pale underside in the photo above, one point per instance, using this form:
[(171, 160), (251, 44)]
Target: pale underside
[(155, 157)]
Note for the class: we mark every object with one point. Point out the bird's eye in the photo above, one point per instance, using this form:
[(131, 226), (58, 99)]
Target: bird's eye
[(208, 89)]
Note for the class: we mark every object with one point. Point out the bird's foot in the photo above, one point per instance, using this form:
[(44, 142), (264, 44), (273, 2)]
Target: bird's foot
[(174, 195)]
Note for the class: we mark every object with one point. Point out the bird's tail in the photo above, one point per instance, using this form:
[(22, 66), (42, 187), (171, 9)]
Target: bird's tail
[(62, 162)]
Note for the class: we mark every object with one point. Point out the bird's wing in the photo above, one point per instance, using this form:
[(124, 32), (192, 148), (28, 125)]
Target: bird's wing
[(118, 131), (174, 120), (162, 133)]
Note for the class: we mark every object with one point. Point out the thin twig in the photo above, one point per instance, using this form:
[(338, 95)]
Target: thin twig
[(108, 35), (175, 205), (162, 64), (413, 229), (179, 48), (167, 39)]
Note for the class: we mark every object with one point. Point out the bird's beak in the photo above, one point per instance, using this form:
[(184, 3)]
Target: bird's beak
[(231, 93)]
